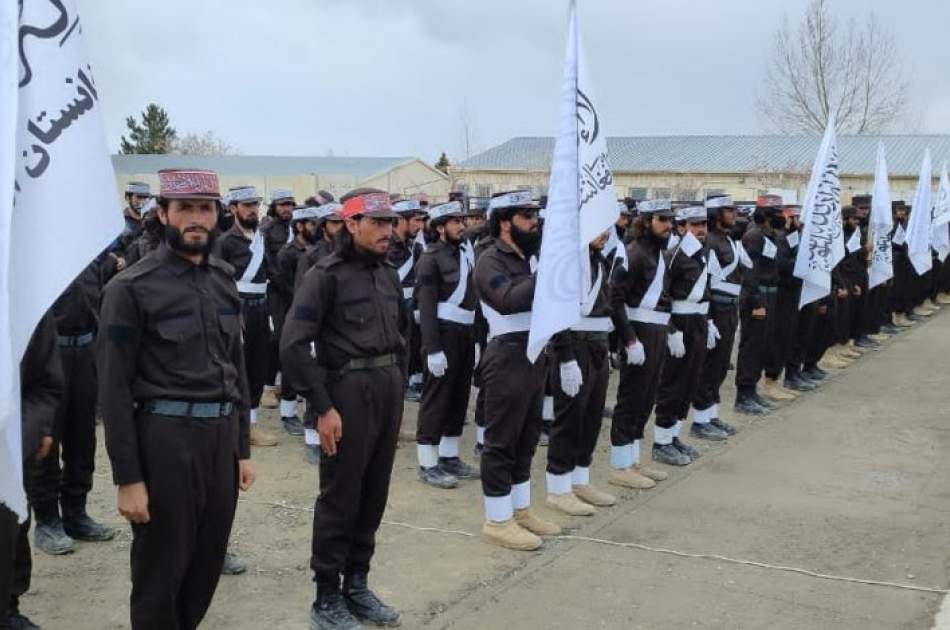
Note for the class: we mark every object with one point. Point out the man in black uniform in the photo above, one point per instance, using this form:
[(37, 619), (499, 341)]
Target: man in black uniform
[(640, 299), (757, 312), (76, 313), (446, 298), (580, 393), (42, 387), (175, 408), (691, 335), (728, 261), (277, 233), (514, 387), (137, 195), (328, 226), (405, 248), (349, 311), (243, 248)]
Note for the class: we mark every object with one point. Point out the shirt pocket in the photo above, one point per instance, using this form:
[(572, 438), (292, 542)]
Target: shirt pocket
[(179, 340)]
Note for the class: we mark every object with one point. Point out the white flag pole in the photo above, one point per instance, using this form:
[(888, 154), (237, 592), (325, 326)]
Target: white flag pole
[(918, 227)]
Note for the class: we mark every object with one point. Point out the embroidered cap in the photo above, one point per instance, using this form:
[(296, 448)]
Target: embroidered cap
[(188, 184)]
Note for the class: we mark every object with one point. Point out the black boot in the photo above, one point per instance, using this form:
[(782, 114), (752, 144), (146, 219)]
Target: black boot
[(761, 402), (670, 455), (330, 612), (437, 478), (814, 373), (707, 431), (48, 534), (233, 564), (477, 450), (745, 404), (292, 426), (80, 526), (686, 449), (457, 468), (795, 382), (364, 604), (725, 427), (16, 621)]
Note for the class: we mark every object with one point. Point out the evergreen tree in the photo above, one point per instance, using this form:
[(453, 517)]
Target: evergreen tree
[(154, 135), (443, 163)]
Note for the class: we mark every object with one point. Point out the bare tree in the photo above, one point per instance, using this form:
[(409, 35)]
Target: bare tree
[(202, 144), (824, 67)]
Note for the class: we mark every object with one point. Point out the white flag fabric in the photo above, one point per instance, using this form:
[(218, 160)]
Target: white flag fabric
[(822, 240), (941, 230), (882, 254), (918, 227), (581, 201), (59, 152)]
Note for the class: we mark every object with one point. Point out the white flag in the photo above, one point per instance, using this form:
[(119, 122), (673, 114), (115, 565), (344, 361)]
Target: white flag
[(822, 240), (882, 261), (941, 217), (581, 202), (59, 178), (918, 227)]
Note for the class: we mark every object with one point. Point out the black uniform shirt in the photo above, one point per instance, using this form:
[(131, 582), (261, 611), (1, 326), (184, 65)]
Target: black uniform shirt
[(629, 285), (720, 243), (287, 260), (42, 386), (310, 258), (77, 309), (348, 308), (504, 280), (437, 278), (169, 329), (764, 272), (234, 248), (276, 234), (399, 252)]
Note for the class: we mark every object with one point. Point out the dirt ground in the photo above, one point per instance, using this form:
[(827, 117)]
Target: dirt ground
[(849, 481)]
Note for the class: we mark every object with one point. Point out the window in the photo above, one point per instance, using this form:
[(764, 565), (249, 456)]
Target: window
[(662, 193), (686, 194), (715, 191), (483, 190), (637, 194), (462, 187)]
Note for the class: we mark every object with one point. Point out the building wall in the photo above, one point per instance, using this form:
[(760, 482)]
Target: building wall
[(690, 186), (407, 178)]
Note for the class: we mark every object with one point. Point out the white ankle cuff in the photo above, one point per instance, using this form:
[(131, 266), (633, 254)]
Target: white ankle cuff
[(558, 484), (636, 452), (311, 437), (621, 456), (547, 410), (480, 435), (449, 446), (288, 408), (703, 416), (521, 495), (428, 455), (254, 416), (676, 428), (499, 509), (663, 436), (581, 476)]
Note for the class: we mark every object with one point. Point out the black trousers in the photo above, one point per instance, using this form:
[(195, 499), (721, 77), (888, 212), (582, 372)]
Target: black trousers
[(257, 348), (876, 308), (784, 330), (817, 334), (354, 483), (843, 309), (577, 420), (902, 294), (514, 395), (679, 378), (445, 399), (636, 391), (716, 364), (277, 306), (74, 439), (859, 311), (191, 472), (16, 565), (796, 344), (754, 338)]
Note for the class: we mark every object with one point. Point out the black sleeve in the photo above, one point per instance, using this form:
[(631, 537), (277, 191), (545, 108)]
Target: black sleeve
[(42, 385), (300, 334)]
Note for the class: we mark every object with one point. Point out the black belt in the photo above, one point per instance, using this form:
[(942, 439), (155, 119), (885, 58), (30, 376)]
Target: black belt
[(370, 363), (587, 335), (75, 341), (768, 290), (512, 338), (727, 300), (187, 409), (254, 301)]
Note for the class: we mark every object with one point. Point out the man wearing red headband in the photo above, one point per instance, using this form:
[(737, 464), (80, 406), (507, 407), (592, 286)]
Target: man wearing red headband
[(343, 349), (173, 389)]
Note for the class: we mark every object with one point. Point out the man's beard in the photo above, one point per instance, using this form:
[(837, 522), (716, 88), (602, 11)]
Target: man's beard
[(453, 240), (310, 237), (250, 224), (527, 241), (176, 240)]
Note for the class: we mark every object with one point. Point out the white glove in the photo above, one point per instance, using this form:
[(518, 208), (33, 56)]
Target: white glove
[(571, 378), (478, 354), (712, 335), (676, 345), (438, 364), (636, 354)]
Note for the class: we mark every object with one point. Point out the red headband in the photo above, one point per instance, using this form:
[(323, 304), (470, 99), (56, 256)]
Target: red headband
[(366, 204)]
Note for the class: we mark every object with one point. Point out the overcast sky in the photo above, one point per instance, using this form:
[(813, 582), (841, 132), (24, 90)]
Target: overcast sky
[(397, 77)]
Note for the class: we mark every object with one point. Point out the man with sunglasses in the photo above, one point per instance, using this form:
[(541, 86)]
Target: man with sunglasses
[(514, 387), (343, 349)]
